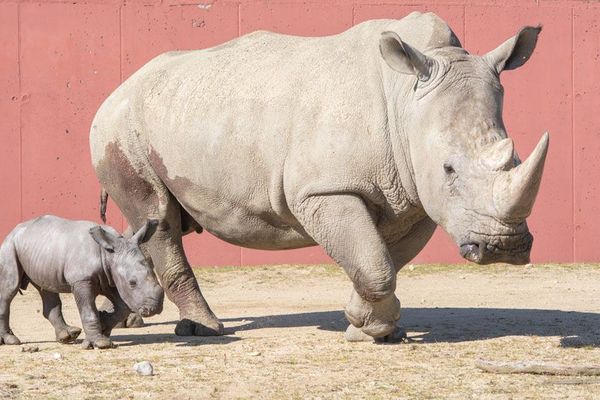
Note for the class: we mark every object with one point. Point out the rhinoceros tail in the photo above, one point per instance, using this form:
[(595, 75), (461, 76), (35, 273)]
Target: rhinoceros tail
[(103, 201)]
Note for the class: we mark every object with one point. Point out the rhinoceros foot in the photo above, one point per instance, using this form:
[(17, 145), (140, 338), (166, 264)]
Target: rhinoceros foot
[(9, 338), (397, 336), (132, 321), (188, 327), (99, 343), (354, 334), (68, 334), (376, 319)]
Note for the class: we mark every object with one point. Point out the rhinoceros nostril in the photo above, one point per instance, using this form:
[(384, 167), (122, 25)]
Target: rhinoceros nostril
[(472, 251)]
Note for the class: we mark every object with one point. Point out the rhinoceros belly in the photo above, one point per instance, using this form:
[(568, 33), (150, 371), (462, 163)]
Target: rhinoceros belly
[(240, 225), (242, 204)]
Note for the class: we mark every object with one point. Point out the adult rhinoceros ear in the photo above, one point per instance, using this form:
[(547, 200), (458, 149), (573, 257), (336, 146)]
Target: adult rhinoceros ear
[(515, 51), (107, 240), (145, 232), (402, 57)]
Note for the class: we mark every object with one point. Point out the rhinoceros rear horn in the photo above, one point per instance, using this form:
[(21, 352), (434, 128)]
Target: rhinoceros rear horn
[(499, 155), (514, 191), (403, 58), (515, 51)]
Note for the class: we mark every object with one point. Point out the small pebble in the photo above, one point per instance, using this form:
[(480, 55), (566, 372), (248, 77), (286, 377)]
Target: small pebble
[(57, 356), (30, 349), (411, 267), (254, 353), (144, 368)]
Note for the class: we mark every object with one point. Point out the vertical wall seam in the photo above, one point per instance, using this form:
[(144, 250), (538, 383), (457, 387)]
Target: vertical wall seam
[(121, 43), (573, 204), (19, 83), (239, 10), (120, 13), (239, 21), (464, 43)]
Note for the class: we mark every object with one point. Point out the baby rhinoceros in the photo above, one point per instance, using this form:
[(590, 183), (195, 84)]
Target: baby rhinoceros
[(57, 256)]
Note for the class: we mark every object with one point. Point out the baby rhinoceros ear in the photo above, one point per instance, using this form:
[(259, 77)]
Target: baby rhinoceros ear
[(104, 238), (145, 232)]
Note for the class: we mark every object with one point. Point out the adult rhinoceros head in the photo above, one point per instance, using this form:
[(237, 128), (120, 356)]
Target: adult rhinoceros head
[(468, 177)]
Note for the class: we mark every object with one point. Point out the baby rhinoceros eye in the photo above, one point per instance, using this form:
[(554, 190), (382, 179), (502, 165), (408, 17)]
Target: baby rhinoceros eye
[(133, 283)]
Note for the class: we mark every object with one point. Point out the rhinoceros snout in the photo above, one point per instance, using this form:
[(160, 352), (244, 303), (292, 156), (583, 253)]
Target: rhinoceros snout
[(152, 306), (515, 250), (150, 310)]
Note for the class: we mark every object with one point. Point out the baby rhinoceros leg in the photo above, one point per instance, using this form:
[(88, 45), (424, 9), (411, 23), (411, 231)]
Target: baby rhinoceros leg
[(85, 297), (6, 335), (53, 313), (9, 285)]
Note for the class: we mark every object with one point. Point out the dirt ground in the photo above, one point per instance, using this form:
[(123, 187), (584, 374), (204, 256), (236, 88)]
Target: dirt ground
[(284, 339)]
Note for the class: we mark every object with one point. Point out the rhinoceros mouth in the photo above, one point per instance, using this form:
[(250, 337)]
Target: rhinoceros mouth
[(487, 249)]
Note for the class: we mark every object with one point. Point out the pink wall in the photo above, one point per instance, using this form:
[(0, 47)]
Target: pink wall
[(60, 59)]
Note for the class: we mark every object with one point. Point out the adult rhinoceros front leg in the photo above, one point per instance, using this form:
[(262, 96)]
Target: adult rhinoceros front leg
[(402, 249), (343, 226)]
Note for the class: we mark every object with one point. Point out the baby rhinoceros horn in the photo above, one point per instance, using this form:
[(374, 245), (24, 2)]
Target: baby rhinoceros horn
[(514, 191)]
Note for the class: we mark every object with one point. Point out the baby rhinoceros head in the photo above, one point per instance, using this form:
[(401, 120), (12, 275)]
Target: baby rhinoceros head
[(128, 270)]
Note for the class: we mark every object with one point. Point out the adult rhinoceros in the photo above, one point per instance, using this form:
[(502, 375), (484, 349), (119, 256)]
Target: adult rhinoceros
[(358, 142)]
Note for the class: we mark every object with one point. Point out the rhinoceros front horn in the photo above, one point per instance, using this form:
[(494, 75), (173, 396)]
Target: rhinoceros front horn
[(514, 191)]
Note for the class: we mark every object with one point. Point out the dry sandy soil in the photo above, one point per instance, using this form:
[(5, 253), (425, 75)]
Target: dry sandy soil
[(285, 339)]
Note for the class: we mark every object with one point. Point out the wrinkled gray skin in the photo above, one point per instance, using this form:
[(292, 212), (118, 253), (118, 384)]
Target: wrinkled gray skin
[(57, 255), (360, 142)]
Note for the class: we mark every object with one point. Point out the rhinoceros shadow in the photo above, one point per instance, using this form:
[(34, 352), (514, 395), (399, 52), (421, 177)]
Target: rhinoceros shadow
[(128, 338), (428, 325)]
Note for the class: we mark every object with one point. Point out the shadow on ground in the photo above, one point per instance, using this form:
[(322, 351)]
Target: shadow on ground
[(427, 325), (125, 338)]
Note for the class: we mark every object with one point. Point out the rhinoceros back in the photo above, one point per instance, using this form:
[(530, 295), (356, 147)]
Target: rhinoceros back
[(50, 248)]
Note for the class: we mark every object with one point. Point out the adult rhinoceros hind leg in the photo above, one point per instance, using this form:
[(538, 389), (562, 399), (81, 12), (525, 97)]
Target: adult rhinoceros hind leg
[(343, 226), (180, 284), (141, 195), (133, 320)]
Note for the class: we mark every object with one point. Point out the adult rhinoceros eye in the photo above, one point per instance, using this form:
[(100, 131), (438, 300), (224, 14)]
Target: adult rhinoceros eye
[(132, 283), (449, 169)]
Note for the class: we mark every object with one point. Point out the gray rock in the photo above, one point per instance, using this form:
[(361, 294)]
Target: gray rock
[(144, 368)]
